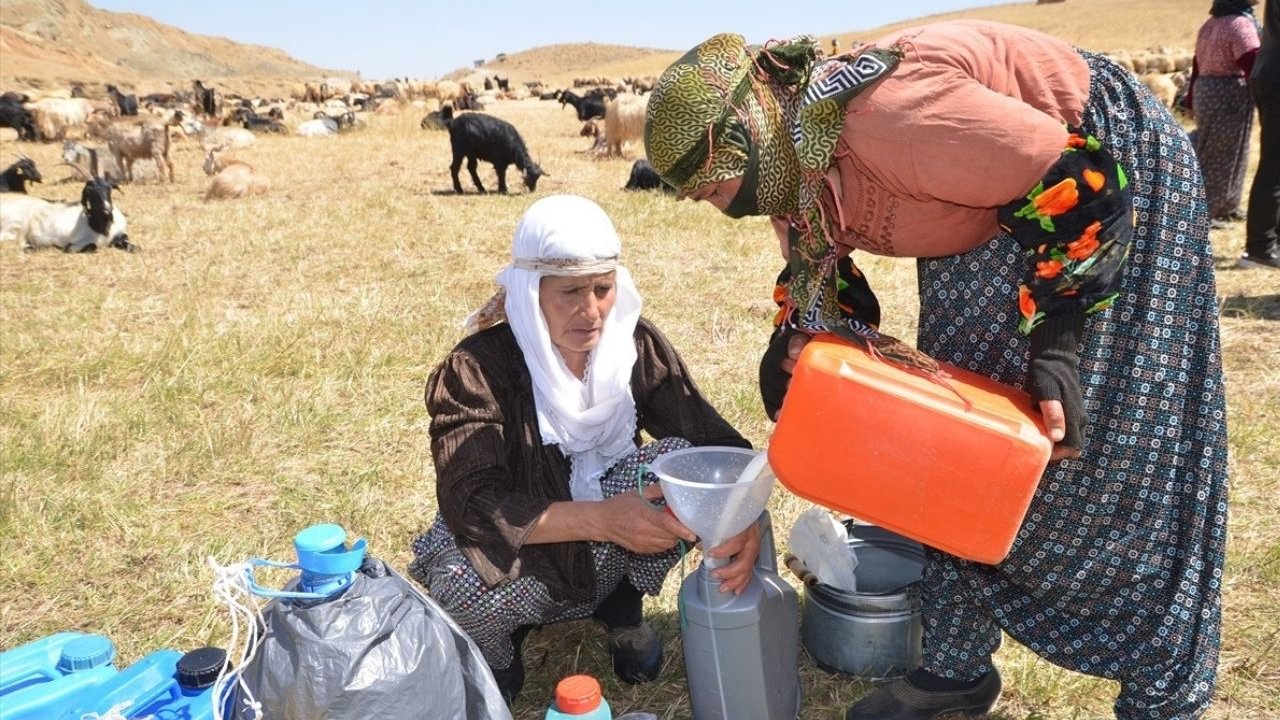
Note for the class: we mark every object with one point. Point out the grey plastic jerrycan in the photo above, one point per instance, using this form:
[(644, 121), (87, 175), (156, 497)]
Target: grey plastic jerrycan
[(741, 652)]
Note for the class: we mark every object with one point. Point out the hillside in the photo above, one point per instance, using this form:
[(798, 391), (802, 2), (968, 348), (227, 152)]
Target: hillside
[(42, 44), (1099, 25)]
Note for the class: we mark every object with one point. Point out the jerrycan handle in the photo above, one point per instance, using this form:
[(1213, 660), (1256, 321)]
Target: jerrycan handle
[(768, 557)]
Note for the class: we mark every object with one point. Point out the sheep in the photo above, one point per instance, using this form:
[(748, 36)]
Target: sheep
[(1162, 86), (144, 140), (624, 122), (476, 136), (70, 227), (438, 120), (126, 104), (55, 116), (236, 180), (14, 115), (15, 178)]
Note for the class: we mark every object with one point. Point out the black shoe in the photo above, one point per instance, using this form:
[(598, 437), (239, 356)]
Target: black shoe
[(900, 700), (1259, 261), (636, 652), (510, 680)]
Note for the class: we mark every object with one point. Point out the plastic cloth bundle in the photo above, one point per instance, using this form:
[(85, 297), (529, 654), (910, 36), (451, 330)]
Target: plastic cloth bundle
[(351, 644)]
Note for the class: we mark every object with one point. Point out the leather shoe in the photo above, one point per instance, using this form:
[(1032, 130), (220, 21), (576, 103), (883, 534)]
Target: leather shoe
[(637, 653), (900, 700)]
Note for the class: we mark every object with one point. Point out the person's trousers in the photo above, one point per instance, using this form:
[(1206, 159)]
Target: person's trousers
[(1262, 237)]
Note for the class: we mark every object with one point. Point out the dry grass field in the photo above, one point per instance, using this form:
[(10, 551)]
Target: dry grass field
[(259, 367)]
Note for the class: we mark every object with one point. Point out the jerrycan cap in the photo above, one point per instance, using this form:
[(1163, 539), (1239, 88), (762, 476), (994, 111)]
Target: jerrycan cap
[(199, 668), (578, 694), (86, 652), (322, 550)]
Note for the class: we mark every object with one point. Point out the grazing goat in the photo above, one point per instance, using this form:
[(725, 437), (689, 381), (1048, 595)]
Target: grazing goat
[(476, 136), (144, 140), (438, 119), (14, 115), (644, 177), (624, 121), (70, 227), (126, 104), (16, 176), (586, 108)]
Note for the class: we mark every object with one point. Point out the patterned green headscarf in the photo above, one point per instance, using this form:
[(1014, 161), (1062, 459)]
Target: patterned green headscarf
[(727, 110)]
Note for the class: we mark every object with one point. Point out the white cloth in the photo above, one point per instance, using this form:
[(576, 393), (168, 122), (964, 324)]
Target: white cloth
[(592, 420)]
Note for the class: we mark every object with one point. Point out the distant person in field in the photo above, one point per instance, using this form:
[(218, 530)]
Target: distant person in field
[(545, 514), (1262, 231), (1226, 48), (1058, 216)]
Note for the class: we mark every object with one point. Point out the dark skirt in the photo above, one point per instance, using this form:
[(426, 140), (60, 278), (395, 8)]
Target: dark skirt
[(1224, 119), (1117, 569)]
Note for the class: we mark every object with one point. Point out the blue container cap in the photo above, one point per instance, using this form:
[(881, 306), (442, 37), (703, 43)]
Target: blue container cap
[(86, 652), (322, 550)]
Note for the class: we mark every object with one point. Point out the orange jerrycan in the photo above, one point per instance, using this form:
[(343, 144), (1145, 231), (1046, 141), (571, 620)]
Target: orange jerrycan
[(867, 438)]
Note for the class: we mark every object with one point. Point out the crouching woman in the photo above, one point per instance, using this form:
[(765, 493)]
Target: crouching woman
[(547, 512)]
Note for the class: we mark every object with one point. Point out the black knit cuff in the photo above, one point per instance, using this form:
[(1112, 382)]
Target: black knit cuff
[(1058, 332)]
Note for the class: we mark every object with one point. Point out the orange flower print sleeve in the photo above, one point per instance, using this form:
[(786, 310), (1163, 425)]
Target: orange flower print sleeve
[(1075, 227)]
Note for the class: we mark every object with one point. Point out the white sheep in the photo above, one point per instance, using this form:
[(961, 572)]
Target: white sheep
[(54, 117), (236, 180), (84, 227), (624, 121)]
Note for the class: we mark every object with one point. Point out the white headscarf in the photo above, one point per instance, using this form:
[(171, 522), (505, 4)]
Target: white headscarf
[(592, 420)]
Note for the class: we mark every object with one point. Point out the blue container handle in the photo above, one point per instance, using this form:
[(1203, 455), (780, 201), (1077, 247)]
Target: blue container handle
[(327, 565)]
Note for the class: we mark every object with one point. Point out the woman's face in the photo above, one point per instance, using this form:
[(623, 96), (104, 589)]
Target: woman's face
[(575, 309), (719, 194)]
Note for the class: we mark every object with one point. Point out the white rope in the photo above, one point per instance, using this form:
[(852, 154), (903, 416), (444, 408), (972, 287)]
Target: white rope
[(231, 588)]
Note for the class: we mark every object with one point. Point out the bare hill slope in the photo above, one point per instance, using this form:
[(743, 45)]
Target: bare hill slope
[(50, 42)]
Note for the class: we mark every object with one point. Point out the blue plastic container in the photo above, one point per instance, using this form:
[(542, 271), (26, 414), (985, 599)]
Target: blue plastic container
[(39, 679), (166, 685)]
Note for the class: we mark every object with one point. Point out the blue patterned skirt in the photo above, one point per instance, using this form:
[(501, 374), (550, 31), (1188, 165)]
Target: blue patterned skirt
[(1117, 569)]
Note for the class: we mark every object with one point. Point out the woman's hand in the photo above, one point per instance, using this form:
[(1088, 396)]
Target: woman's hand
[(744, 548), (1055, 421), (629, 520), (776, 367)]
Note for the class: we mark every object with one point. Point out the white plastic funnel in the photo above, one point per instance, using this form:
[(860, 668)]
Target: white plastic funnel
[(715, 491)]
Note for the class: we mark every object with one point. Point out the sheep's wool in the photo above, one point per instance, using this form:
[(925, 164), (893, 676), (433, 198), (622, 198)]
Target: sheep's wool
[(592, 420)]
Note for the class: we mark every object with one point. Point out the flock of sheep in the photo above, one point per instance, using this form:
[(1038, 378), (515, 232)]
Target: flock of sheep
[(105, 137)]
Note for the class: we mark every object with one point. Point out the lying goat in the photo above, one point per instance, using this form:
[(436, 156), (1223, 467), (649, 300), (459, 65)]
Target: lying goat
[(85, 227), (644, 177), (16, 176)]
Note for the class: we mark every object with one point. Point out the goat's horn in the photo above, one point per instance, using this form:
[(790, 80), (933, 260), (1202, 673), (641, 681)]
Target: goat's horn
[(84, 175)]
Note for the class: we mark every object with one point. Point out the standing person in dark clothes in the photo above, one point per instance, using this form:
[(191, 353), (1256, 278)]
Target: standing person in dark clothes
[(1226, 46), (1058, 217), (545, 512), (1262, 232)]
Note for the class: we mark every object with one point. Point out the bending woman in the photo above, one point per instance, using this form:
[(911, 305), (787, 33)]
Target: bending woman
[(1059, 217), (546, 512)]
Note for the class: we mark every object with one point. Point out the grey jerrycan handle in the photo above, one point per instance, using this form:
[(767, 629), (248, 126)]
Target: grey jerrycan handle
[(768, 557)]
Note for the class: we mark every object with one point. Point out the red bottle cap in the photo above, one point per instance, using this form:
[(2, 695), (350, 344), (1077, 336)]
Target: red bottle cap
[(577, 694)]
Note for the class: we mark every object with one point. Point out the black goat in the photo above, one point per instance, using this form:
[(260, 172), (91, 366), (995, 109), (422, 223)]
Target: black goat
[(251, 120), (644, 177), (437, 119), (127, 104), (17, 175), (476, 136), (206, 99), (14, 115), (587, 108)]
